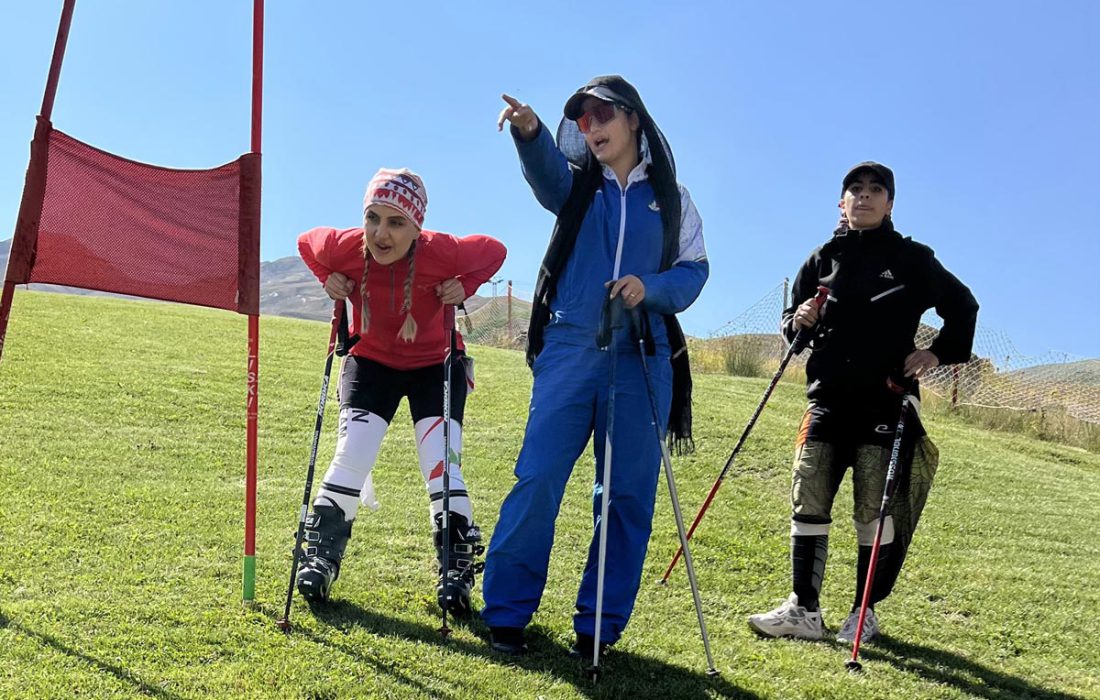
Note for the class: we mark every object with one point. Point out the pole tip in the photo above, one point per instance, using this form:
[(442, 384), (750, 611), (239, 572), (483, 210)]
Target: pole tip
[(444, 631), (713, 672), (594, 672), (853, 666), (283, 624)]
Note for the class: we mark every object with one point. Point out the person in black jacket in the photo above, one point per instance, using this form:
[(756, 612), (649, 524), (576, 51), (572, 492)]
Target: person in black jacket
[(881, 283)]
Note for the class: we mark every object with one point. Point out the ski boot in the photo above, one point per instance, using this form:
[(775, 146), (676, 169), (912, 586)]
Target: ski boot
[(456, 583), (326, 536)]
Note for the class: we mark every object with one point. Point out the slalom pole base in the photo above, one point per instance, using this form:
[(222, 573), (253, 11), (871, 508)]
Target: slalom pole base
[(663, 583), (713, 673), (283, 624), (594, 673), (444, 631), (853, 666)]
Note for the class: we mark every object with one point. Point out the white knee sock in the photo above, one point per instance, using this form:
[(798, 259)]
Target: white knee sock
[(348, 479), (429, 446), (865, 532)]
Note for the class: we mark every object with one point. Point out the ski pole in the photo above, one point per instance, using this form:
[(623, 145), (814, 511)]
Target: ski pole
[(338, 345), (853, 665), (610, 321), (449, 327), (641, 327), (801, 340)]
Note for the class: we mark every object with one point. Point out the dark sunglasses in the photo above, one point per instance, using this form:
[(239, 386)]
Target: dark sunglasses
[(602, 114)]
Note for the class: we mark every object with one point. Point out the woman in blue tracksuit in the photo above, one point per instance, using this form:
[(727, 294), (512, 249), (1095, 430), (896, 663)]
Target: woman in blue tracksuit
[(625, 228)]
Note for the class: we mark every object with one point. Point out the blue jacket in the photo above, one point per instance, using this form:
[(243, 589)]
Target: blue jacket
[(621, 234)]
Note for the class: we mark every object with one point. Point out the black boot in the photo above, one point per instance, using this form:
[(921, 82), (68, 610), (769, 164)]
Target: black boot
[(507, 640), (456, 583), (326, 536), (585, 645)]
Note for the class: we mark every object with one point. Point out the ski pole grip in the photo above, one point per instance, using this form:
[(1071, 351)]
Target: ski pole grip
[(611, 317), (640, 329), (344, 340), (448, 317), (334, 325), (803, 337), (901, 385)]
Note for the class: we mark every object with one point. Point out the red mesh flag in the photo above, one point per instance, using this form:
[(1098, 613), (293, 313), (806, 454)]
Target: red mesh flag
[(93, 220)]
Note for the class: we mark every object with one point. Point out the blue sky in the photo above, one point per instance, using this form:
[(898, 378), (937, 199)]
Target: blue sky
[(986, 111)]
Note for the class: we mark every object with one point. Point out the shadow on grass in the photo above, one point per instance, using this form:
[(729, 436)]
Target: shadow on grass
[(140, 686), (946, 668), (625, 674)]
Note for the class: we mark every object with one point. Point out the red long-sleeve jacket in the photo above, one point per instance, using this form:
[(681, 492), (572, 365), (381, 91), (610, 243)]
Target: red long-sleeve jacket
[(472, 260)]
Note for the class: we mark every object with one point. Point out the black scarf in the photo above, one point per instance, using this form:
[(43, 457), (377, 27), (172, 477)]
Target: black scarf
[(587, 179)]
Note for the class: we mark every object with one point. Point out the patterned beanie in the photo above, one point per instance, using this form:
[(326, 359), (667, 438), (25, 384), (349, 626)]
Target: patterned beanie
[(401, 189)]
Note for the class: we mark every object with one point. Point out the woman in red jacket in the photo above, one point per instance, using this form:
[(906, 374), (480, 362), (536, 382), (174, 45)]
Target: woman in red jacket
[(398, 277)]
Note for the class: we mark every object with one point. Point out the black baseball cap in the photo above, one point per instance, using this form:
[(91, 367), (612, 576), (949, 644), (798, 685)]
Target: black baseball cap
[(884, 175), (609, 88)]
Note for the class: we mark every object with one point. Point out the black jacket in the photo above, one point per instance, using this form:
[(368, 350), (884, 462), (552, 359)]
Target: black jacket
[(881, 283)]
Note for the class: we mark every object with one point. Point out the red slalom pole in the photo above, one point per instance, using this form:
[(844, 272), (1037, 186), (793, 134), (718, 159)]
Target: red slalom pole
[(257, 72), (799, 344), (248, 591), (60, 42), (58, 56), (5, 311), (252, 420)]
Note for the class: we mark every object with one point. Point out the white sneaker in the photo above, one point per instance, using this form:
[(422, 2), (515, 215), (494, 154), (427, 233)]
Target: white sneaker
[(847, 633), (788, 620)]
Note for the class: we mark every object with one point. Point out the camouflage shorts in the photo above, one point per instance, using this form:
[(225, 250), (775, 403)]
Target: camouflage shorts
[(819, 468)]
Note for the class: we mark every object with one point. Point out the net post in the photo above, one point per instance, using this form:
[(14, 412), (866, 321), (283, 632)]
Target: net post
[(954, 386), (511, 335)]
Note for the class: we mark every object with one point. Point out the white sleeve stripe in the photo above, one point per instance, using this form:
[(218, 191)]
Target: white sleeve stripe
[(692, 248)]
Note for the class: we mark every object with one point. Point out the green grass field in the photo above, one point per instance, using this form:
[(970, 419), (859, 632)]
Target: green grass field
[(122, 467)]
